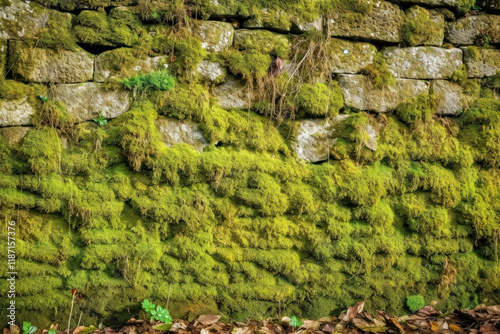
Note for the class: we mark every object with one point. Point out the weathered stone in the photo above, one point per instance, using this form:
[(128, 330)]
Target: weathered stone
[(468, 29), (120, 63), (16, 112), (212, 71), (423, 27), (175, 132), (361, 93), (232, 94), (422, 62), (350, 57), (45, 65), (314, 138), (14, 134), (450, 98), (279, 20), (302, 26), (382, 23), (85, 101), (261, 40), (481, 62), (24, 19), (217, 36)]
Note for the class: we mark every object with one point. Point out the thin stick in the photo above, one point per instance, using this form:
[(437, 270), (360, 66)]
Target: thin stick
[(71, 312), (78, 325), (168, 298)]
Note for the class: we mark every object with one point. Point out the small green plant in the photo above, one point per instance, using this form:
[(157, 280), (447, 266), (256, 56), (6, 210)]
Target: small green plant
[(160, 80), (157, 312), (101, 120), (44, 98), (296, 322), (415, 302), (52, 331), (28, 329)]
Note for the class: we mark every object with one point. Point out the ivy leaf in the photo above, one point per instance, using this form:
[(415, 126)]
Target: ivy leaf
[(295, 322)]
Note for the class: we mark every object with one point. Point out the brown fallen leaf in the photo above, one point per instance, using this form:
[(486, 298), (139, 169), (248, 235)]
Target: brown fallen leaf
[(179, 325), (454, 328), (329, 328), (353, 311), (208, 319), (368, 323)]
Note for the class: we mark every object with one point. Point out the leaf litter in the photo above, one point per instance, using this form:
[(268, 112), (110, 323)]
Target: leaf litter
[(480, 320)]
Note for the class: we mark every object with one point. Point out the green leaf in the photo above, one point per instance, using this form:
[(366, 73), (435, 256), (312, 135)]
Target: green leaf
[(52, 331), (26, 326), (148, 306), (295, 322), (163, 315)]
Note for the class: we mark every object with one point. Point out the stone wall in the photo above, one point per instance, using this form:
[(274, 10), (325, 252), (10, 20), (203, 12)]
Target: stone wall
[(310, 155), (420, 45)]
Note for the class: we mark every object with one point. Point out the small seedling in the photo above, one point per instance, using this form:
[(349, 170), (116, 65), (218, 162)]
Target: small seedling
[(52, 331), (157, 312), (295, 322), (101, 120), (28, 329), (43, 98)]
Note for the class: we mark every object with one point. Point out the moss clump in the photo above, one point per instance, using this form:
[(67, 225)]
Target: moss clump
[(251, 64), (184, 101), (263, 41), (420, 28), (379, 73), (58, 34), (139, 137), (419, 110), (184, 49), (465, 6), (13, 90), (415, 303), (43, 150), (320, 100), (479, 126), (160, 80), (120, 27)]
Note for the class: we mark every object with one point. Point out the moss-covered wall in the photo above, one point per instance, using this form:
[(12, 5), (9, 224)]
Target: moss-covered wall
[(323, 171)]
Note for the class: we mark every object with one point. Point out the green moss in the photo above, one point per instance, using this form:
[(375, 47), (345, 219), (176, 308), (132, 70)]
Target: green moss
[(320, 100), (419, 28), (263, 41), (121, 27), (419, 110), (58, 34), (379, 73), (415, 303), (250, 64), (43, 149), (139, 137), (479, 126), (465, 6)]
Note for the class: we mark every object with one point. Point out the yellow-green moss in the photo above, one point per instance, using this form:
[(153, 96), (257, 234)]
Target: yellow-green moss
[(320, 99)]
